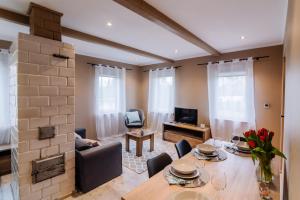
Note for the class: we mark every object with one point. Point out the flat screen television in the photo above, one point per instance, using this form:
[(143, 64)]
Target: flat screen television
[(186, 115)]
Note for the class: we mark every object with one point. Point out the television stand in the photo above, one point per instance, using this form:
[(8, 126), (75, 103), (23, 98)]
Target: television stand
[(175, 132)]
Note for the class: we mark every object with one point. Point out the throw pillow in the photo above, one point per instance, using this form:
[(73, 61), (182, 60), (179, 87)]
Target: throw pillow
[(133, 117), (81, 145)]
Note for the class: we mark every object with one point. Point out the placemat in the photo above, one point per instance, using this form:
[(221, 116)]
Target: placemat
[(231, 149), (200, 181), (221, 157)]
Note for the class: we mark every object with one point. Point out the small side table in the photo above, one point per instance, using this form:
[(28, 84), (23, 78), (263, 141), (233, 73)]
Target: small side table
[(139, 138)]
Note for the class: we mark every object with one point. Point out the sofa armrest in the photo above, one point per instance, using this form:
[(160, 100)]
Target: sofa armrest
[(98, 165)]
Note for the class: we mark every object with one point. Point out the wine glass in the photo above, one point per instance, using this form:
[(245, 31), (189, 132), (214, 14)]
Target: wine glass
[(217, 143), (200, 164), (235, 139), (219, 183)]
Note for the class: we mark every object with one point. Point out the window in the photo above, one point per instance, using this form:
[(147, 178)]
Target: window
[(164, 93), (161, 91), (108, 101), (161, 97), (231, 98)]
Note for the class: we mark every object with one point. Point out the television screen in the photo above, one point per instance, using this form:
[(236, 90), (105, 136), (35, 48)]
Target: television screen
[(185, 115)]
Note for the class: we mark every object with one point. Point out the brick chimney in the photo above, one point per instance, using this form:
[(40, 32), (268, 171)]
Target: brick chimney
[(42, 87), (44, 22)]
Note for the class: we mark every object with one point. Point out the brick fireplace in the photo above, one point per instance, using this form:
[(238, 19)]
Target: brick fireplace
[(42, 95)]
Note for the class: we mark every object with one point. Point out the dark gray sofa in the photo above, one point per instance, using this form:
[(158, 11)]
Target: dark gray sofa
[(97, 165)]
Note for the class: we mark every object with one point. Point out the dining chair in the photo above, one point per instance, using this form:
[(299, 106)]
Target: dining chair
[(242, 139), (158, 163), (182, 148)]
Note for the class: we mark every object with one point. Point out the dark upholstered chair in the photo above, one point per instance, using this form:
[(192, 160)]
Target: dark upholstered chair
[(97, 165), (182, 148), (139, 124), (158, 163)]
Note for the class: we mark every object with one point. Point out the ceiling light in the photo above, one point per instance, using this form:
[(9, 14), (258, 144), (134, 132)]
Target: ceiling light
[(243, 37), (176, 51), (109, 24)]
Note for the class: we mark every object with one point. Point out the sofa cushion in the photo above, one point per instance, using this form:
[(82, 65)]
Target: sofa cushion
[(133, 117)]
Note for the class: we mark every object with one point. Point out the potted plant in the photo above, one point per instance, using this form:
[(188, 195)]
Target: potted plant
[(260, 143)]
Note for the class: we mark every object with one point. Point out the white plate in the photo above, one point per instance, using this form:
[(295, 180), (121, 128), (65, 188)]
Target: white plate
[(183, 167), (243, 146), (206, 148), (185, 176), (188, 195)]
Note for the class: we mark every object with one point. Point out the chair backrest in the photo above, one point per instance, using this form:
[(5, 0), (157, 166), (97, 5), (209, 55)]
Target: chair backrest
[(158, 163), (182, 148), (242, 139)]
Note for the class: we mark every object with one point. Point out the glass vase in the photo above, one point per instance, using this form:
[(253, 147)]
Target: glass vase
[(264, 171)]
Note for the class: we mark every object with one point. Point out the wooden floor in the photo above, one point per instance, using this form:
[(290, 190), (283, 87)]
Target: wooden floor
[(112, 190)]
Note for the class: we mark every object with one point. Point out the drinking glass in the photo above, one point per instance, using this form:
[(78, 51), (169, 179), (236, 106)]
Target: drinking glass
[(200, 163), (235, 139), (217, 142), (219, 183)]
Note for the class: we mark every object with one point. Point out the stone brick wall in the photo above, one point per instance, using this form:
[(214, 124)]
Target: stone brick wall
[(46, 87)]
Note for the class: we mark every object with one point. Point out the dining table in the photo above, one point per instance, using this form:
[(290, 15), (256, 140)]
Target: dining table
[(241, 181)]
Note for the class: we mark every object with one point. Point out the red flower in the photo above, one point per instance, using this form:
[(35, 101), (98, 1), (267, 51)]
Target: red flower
[(262, 138), (262, 132), (247, 133), (251, 144), (252, 132), (271, 134)]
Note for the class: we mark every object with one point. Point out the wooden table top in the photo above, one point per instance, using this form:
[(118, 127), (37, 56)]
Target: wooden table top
[(136, 133), (241, 182)]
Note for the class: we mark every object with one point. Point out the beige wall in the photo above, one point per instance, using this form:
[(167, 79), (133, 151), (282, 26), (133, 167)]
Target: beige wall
[(191, 86), (292, 96), (84, 91)]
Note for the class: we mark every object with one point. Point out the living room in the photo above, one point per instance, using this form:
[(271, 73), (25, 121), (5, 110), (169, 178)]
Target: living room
[(149, 100)]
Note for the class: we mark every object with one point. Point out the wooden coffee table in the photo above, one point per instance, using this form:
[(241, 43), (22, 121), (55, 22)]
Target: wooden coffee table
[(139, 138)]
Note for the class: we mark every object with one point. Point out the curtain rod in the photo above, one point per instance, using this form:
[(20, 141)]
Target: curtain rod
[(163, 68), (94, 64), (241, 59)]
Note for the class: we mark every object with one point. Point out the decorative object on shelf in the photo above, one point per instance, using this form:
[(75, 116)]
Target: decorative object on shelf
[(260, 143)]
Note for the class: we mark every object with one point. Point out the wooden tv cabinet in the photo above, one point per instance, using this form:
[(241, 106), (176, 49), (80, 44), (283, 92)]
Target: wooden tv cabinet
[(175, 132)]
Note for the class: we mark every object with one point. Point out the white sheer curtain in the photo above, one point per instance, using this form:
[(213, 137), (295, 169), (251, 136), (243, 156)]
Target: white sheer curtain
[(231, 98), (4, 99), (161, 97), (110, 101)]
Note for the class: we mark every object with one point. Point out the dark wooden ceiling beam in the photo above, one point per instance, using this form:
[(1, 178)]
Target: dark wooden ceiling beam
[(94, 39), (24, 20), (14, 17), (147, 11)]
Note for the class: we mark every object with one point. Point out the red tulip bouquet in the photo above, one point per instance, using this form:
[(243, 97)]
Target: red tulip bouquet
[(260, 143)]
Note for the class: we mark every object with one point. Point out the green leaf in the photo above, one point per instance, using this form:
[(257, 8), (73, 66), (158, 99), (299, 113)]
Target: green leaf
[(259, 149), (278, 153), (254, 157)]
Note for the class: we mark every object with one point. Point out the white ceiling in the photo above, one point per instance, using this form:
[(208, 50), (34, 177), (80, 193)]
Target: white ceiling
[(220, 23)]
